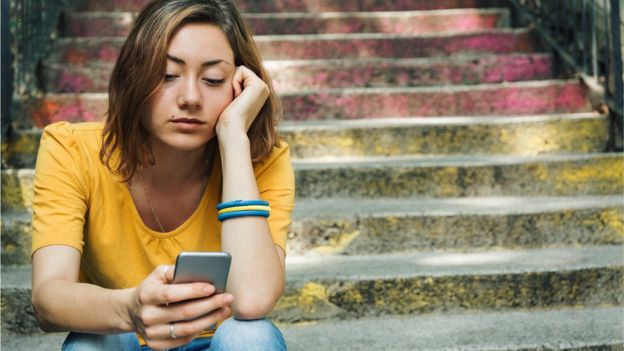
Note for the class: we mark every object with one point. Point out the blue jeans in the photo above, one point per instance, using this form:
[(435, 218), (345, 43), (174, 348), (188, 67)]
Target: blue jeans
[(232, 335)]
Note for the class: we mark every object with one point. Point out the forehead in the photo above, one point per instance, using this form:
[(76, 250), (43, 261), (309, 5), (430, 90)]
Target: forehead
[(200, 42)]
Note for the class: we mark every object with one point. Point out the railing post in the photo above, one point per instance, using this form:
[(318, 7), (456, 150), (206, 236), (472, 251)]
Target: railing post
[(7, 70), (617, 69)]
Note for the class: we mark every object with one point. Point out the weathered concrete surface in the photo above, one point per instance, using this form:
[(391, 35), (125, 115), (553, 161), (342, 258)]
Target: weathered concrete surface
[(567, 329), (518, 98), (520, 135), (376, 226), (359, 286), (317, 46), (469, 176), (587, 329), (352, 227), (99, 24), (443, 282), (336, 73), (565, 133), (306, 5), (16, 237)]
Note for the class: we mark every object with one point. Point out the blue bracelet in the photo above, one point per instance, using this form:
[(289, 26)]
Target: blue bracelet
[(242, 203), (229, 215)]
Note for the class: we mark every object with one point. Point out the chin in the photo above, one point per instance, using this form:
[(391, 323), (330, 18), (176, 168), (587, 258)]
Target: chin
[(188, 143)]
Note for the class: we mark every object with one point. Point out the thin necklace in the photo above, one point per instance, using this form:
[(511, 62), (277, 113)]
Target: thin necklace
[(149, 204)]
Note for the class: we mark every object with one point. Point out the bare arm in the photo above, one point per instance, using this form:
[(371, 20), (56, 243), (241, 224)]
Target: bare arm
[(257, 274), (63, 304)]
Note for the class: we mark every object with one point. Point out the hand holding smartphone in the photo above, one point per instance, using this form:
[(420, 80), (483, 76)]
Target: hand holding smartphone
[(210, 267)]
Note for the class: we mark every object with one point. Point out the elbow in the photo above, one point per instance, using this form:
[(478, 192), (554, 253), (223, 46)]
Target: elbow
[(42, 323), (252, 308), (40, 317)]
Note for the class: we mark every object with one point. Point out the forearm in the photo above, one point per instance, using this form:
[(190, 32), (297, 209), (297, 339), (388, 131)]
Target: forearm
[(61, 305), (257, 275)]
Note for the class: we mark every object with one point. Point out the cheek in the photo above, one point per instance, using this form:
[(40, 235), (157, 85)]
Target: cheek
[(221, 100)]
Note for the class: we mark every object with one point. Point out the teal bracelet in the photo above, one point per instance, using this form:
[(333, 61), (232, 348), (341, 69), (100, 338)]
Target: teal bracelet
[(222, 217), (242, 203)]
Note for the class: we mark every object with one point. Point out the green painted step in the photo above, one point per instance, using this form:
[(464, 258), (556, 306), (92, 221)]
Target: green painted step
[(569, 329), (348, 287), (447, 176), (519, 135), (367, 226)]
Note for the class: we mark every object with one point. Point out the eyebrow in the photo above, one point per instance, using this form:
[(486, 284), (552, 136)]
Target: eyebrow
[(204, 64)]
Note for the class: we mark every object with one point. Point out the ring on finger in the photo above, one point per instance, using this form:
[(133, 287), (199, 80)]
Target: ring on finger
[(171, 332)]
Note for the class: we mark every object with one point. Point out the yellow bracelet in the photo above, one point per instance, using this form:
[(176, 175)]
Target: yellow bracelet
[(245, 208)]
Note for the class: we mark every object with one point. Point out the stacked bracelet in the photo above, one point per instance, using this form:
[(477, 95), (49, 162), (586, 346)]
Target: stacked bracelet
[(243, 208)]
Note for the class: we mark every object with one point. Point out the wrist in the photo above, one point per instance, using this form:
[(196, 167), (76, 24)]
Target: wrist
[(233, 142), (123, 302)]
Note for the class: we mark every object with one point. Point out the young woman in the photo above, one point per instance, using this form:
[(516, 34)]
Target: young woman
[(191, 123)]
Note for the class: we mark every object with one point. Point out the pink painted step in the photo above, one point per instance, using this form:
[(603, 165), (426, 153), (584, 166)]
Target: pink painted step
[(524, 98), (317, 74), (285, 47), (99, 24), (256, 6)]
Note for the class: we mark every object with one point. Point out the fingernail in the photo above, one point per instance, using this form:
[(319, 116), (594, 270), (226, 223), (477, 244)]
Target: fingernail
[(208, 290), (228, 298)]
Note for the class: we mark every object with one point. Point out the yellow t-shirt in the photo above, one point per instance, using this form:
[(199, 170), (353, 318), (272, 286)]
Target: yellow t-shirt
[(78, 202)]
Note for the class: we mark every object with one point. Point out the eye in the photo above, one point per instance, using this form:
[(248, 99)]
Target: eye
[(214, 81), (170, 77)]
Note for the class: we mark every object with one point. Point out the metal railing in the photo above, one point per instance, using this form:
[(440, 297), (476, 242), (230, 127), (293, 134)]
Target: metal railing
[(31, 24), (586, 38)]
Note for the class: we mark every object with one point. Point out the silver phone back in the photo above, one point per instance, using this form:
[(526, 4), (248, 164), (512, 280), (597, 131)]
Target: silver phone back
[(211, 267)]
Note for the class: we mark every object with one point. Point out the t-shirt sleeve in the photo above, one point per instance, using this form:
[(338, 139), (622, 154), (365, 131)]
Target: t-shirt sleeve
[(60, 190), (276, 184)]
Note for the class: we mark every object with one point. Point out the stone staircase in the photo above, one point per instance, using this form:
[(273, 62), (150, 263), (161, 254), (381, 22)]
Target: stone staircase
[(453, 194)]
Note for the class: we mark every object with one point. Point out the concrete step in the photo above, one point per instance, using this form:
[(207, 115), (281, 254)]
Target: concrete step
[(98, 24), (569, 329), (447, 176), (366, 226), (297, 75), (519, 98), (351, 287), (517, 135), (461, 176), (319, 46), (307, 5), (382, 225)]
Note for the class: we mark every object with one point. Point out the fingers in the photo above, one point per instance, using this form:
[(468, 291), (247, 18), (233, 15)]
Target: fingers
[(185, 310), (164, 294), (160, 336), (244, 78)]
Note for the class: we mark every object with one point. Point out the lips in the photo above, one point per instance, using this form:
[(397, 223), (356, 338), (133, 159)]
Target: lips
[(187, 120)]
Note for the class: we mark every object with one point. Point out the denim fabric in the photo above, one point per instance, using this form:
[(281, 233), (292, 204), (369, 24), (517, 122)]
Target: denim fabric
[(232, 334)]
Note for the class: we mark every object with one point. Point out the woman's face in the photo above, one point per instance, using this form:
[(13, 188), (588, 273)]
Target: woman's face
[(197, 87)]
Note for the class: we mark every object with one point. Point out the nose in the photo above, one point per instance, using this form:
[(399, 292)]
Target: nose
[(189, 97)]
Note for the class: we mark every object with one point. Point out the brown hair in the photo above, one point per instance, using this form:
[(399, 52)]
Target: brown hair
[(139, 72)]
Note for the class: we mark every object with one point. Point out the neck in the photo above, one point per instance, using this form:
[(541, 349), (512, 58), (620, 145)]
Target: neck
[(174, 166)]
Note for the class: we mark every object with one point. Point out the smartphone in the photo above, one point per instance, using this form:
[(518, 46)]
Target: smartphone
[(211, 267)]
